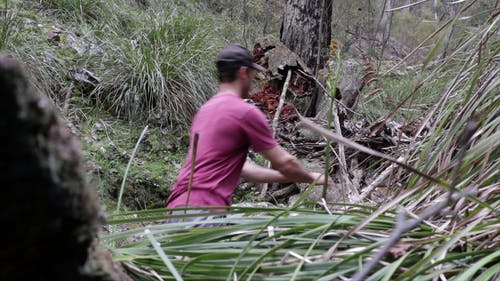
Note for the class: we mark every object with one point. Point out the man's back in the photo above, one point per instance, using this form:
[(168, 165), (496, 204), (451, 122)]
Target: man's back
[(227, 126)]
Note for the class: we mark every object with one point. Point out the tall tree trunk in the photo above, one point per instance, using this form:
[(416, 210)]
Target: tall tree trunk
[(307, 31), (50, 215)]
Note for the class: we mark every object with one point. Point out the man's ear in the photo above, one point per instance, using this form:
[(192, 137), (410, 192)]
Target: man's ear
[(243, 72)]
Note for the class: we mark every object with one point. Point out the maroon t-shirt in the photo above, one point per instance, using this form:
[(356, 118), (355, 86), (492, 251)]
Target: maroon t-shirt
[(227, 128)]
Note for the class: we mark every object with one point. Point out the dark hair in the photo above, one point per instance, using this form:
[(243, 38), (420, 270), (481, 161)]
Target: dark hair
[(227, 71)]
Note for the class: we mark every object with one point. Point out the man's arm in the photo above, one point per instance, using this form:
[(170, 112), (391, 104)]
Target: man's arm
[(258, 174), (289, 166)]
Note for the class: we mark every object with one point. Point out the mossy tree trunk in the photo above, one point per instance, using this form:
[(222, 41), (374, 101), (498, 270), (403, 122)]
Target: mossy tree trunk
[(50, 216)]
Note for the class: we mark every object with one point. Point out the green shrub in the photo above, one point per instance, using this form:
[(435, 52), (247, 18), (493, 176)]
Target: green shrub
[(165, 70), (151, 59), (8, 19)]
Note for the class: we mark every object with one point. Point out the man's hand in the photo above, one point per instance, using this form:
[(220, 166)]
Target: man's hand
[(320, 179)]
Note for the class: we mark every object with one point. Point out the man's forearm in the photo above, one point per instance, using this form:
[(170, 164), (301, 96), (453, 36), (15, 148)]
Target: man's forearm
[(294, 171), (258, 174), (290, 167)]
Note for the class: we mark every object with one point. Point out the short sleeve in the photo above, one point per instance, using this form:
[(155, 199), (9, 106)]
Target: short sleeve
[(256, 127)]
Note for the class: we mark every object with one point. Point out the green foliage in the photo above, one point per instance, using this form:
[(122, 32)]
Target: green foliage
[(166, 69), (151, 59), (250, 19), (108, 146), (8, 20)]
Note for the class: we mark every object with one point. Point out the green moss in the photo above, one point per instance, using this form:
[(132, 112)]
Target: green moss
[(107, 146)]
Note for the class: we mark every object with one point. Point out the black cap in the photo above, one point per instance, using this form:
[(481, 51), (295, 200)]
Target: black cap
[(237, 54)]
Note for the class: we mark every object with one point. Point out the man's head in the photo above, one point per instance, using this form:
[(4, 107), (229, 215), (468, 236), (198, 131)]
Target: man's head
[(235, 65)]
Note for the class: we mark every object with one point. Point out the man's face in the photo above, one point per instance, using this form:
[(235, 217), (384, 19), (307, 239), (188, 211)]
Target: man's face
[(246, 78)]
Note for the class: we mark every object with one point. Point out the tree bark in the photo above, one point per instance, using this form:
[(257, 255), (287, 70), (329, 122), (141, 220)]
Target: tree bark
[(306, 30), (50, 216)]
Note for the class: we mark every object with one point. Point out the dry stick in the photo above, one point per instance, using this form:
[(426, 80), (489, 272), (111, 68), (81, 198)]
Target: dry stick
[(275, 126), (403, 225), (193, 162), (281, 102), (378, 180)]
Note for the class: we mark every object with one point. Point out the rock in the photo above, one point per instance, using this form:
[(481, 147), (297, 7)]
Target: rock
[(349, 85), (307, 134), (277, 56), (315, 193)]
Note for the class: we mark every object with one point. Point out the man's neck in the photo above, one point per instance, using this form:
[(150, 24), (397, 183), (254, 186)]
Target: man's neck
[(230, 88)]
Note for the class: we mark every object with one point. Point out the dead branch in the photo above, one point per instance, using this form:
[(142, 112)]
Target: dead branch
[(281, 102), (193, 163)]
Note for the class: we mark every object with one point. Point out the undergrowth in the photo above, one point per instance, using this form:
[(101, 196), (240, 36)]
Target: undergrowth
[(107, 145), (137, 61), (394, 90)]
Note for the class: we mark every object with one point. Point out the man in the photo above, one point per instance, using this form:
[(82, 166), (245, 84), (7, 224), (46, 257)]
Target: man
[(227, 127)]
